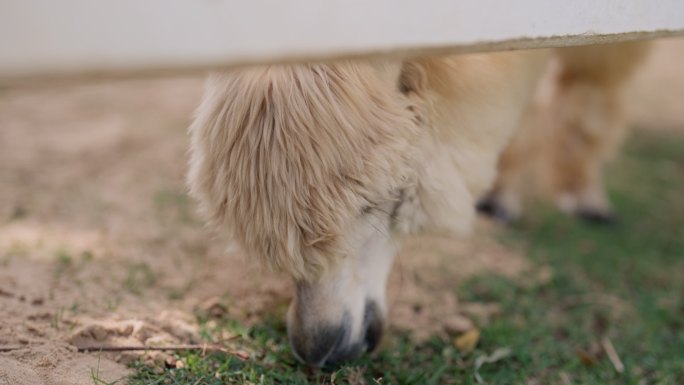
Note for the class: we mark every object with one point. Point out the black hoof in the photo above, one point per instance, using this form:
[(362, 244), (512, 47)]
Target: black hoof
[(597, 217), (491, 208)]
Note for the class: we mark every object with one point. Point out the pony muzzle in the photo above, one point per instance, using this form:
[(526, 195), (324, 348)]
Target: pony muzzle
[(324, 343)]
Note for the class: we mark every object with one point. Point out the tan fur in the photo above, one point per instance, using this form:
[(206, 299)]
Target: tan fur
[(470, 106), (318, 170), (569, 135), (285, 158)]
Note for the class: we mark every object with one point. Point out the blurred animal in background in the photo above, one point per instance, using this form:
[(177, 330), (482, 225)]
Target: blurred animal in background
[(573, 127)]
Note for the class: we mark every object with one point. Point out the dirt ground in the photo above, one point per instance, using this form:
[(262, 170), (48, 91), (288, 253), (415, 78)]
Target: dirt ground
[(100, 246)]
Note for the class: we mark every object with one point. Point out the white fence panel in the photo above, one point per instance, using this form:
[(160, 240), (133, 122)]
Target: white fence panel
[(56, 37)]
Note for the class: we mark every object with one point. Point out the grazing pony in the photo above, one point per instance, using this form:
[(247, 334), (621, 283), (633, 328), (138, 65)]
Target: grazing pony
[(318, 170)]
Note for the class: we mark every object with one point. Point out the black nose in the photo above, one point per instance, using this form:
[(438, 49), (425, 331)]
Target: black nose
[(374, 323), (316, 346), (332, 344)]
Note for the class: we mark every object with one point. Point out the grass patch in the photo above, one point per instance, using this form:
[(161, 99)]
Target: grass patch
[(623, 283), (63, 262), (139, 277), (174, 207), (265, 358)]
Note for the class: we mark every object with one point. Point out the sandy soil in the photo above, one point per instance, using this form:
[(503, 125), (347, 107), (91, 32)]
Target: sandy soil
[(100, 246)]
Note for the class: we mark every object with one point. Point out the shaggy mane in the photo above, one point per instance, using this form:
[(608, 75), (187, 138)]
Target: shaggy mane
[(285, 157)]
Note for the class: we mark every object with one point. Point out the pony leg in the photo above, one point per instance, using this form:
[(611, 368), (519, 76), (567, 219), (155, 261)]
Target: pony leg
[(503, 202), (518, 162), (588, 124)]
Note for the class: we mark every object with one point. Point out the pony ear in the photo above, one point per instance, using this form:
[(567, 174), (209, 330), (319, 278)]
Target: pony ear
[(285, 157)]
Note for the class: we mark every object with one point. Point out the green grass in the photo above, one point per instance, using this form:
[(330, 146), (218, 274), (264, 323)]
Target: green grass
[(174, 207), (139, 277), (623, 283)]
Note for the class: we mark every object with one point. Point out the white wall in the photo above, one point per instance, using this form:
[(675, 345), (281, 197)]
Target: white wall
[(43, 37)]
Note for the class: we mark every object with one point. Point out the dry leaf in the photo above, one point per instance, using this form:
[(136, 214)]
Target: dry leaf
[(480, 312), (466, 342), (499, 354), (565, 378), (457, 324), (586, 358)]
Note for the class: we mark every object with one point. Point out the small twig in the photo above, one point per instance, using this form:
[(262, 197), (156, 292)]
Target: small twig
[(142, 348), (612, 355), (10, 348), (203, 348)]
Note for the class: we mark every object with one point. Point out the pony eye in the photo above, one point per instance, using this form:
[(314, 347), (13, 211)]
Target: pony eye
[(367, 209)]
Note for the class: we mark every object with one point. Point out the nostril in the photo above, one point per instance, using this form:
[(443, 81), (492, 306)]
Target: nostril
[(373, 321), (319, 345), (315, 347)]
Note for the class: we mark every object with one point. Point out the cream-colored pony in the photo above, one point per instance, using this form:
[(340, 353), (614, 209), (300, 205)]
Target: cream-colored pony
[(318, 170)]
